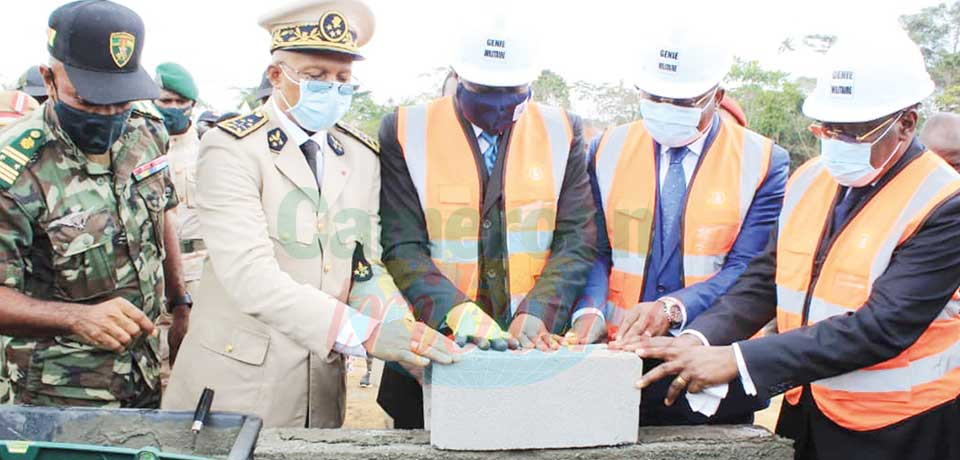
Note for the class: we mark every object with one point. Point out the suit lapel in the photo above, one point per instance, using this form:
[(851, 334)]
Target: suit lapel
[(336, 169), (291, 163)]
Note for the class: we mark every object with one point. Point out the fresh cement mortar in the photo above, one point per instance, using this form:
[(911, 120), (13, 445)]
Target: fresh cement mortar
[(170, 437), (666, 443)]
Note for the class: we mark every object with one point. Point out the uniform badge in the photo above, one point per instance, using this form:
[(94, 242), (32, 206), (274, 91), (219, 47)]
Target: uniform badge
[(242, 125), (333, 26), (373, 144), (276, 139), (362, 270), (15, 156), (150, 168), (77, 220), (122, 45), (335, 145)]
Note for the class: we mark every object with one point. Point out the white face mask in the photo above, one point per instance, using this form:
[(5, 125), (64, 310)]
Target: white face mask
[(849, 162), (671, 125)]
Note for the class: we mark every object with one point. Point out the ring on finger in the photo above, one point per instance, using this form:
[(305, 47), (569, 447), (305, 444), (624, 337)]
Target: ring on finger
[(681, 381)]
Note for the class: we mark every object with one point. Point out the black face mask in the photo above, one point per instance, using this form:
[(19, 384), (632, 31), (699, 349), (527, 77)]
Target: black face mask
[(177, 121), (91, 132)]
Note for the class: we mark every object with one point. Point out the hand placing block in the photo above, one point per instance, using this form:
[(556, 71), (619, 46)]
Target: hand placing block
[(574, 397)]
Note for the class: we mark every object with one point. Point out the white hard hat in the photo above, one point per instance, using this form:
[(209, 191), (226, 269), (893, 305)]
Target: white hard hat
[(497, 52), (867, 77), (683, 61)]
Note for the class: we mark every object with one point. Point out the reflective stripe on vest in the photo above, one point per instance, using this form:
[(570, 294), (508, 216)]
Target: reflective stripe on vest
[(444, 171), (924, 375), (722, 190)]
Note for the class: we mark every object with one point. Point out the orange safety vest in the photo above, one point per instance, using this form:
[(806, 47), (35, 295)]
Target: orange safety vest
[(445, 173), (924, 375), (720, 194)]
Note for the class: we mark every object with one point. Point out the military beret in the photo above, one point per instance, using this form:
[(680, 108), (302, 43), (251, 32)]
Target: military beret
[(174, 77)]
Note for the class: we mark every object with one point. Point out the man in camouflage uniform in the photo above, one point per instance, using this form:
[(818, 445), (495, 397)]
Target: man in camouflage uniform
[(83, 195)]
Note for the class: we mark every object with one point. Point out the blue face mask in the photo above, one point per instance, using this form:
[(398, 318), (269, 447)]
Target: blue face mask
[(491, 112), (90, 132), (322, 104), (177, 121)]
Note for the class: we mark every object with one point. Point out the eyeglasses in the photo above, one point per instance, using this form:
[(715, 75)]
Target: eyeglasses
[(855, 133), (699, 102), (319, 85)]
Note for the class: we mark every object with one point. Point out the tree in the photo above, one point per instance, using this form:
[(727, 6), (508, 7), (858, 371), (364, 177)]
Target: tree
[(551, 89), (613, 104), (365, 113), (773, 103), (819, 43), (936, 29)]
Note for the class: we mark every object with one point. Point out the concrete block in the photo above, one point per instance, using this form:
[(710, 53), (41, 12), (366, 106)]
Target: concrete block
[(574, 397)]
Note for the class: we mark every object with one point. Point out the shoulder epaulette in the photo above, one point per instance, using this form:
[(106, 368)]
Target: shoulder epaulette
[(361, 136), (242, 125), (148, 110), (17, 154)]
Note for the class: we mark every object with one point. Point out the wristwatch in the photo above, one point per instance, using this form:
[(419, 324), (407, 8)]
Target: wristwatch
[(185, 299), (673, 311)]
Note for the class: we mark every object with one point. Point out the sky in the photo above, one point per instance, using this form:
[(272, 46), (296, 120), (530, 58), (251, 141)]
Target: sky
[(220, 42)]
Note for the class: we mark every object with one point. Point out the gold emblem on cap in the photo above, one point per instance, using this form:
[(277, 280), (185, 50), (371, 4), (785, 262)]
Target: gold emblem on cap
[(333, 26), (332, 31), (122, 45)]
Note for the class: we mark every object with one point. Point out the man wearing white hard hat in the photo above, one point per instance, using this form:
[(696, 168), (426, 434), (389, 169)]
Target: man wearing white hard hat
[(288, 198), (687, 198), (487, 215), (859, 276)]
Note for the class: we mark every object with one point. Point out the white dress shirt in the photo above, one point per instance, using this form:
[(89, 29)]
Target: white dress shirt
[(300, 137), (484, 145), (689, 164)]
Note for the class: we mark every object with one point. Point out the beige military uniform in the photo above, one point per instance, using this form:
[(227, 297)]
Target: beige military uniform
[(284, 259), (182, 155)]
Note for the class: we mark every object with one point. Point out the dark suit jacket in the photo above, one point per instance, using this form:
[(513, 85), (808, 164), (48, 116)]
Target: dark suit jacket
[(406, 254), (923, 274), (406, 244)]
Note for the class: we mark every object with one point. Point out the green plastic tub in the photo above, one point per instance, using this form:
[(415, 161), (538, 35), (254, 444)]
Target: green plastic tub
[(46, 433)]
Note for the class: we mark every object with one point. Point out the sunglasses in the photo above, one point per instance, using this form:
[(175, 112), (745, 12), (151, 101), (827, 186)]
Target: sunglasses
[(855, 133), (699, 102), (321, 86)]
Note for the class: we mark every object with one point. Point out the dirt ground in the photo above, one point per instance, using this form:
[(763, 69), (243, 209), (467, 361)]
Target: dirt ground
[(363, 411)]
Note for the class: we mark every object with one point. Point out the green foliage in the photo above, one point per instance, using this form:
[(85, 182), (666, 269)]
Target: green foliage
[(937, 30), (773, 103), (365, 114), (551, 89), (614, 104)]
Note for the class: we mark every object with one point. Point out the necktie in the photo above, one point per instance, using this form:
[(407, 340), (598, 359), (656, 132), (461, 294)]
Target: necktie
[(841, 213), (490, 154), (310, 150), (673, 192)]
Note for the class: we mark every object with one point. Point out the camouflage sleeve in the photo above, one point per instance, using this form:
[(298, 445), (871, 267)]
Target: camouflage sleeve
[(16, 235), (162, 143)]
